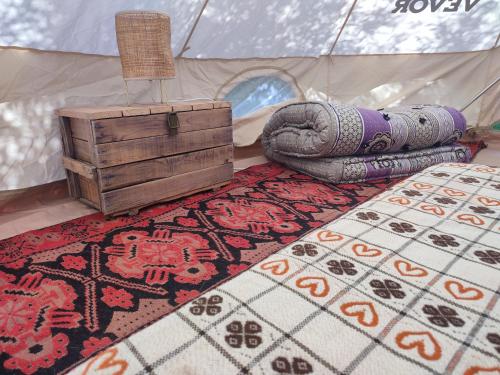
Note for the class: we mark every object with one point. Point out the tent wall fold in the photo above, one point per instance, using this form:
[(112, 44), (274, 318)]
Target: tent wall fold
[(34, 83)]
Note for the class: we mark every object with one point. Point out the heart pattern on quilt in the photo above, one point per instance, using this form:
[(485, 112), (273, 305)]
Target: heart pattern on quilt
[(400, 200), (328, 236), (461, 292), (479, 370), (422, 186), (107, 361), (454, 193), (488, 201), (425, 343), (485, 169), (473, 219), (364, 312), (436, 210), (407, 269), (362, 250), (318, 286), (277, 267)]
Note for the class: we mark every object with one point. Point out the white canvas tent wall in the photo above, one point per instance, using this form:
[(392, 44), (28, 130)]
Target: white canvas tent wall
[(62, 53)]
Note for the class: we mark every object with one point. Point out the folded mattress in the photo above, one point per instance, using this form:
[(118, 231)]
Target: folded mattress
[(343, 169), (405, 283), (320, 129)]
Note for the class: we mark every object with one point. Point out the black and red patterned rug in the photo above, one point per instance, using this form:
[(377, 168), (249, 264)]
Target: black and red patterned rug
[(69, 290), (72, 289)]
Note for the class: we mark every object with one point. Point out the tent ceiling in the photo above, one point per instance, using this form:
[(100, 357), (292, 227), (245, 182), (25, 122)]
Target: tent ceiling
[(261, 28), (267, 28), (86, 26), (373, 28)]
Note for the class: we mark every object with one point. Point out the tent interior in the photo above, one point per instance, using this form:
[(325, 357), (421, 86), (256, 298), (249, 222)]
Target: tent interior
[(260, 57)]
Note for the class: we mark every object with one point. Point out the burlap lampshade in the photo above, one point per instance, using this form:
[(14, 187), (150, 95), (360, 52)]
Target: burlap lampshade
[(144, 45)]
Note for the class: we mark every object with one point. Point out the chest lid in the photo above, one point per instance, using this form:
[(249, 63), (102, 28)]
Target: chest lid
[(104, 112)]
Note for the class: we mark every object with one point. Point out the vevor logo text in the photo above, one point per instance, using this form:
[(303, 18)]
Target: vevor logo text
[(417, 6)]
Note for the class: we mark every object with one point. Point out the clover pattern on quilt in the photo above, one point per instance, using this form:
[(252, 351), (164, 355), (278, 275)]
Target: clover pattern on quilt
[(443, 316), (481, 210), (387, 289), (296, 366), (412, 193), (440, 174), (494, 339), (444, 240), (210, 306), (470, 180), (367, 215), (445, 200), (304, 249), (342, 267), (402, 227), (488, 256), (243, 334)]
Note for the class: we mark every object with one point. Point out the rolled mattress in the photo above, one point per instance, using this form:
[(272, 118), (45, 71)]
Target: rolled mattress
[(345, 169), (320, 129)]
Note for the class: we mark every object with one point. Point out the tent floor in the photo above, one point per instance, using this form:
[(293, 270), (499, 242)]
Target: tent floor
[(45, 205)]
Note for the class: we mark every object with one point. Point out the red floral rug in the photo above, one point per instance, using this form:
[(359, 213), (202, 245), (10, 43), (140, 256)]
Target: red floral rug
[(72, 289)]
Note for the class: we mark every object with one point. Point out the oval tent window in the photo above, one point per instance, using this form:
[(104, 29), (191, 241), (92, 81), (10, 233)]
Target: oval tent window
[(258, 92)]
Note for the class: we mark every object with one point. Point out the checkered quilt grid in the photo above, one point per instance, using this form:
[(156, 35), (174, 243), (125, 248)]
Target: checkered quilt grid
[(406, 283)]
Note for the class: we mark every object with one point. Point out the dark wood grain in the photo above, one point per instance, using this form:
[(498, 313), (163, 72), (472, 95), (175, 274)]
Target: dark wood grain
[(126, 128), (142, 171), (80, 129), (69, 151), (89, 192), (116, 153), (159, 190), (83, 169)]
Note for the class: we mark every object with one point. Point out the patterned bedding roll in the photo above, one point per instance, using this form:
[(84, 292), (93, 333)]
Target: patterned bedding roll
[(320, 129), (345, 169)]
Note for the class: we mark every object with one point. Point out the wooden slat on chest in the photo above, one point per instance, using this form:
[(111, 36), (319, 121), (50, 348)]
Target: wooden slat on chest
[(94, 113), (89, 191), (125, 128), (142, 171), (69, 151), (116, 153), (159, 190), (82, 150), (80, 128), (83, 169)]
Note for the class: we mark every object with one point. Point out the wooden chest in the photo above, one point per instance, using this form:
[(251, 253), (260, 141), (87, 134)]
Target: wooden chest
[(120, 159)]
